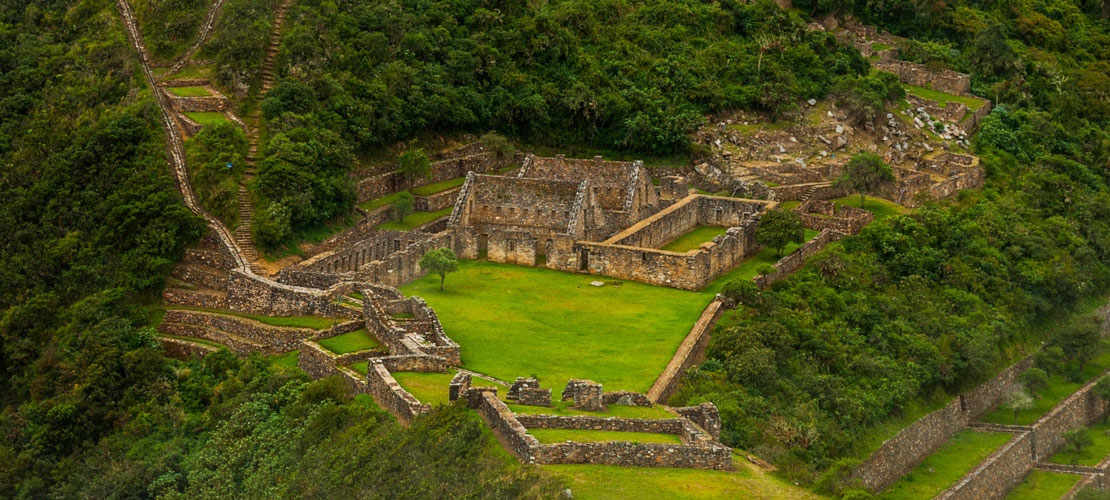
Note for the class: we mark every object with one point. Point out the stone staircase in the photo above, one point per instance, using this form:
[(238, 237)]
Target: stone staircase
[(243, 231), (808, 194)]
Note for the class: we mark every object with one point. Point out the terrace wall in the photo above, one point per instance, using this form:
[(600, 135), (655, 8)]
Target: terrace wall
[(390, 395), (922, 76), (689, 353), (787, 265), (272, 339), (378, 185), (184, 349)]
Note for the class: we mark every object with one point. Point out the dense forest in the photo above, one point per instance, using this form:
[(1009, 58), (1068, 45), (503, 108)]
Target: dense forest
[(92, 223), (932, 302)]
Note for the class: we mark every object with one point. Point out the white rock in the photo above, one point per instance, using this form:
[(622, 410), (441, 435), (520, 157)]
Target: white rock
[(597, 283), (829, 114), (812, 102), (840, 129), (890, 116)]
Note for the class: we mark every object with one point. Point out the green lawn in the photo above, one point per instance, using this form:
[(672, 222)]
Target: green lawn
[(203, 71), (439, 186), (595, 482), (287, 361), (879, 47), (788, 205), (206, 342), (560, 435), (750, 267), (415, 220), (1059, 388), (878, 206), (360, 367), (358, 340), (380, 202), (1040, 484), (518, 321), (207, 117), (312, 322), (564, 408), (942, 469), (1094, 453), (189, 91), (972, 103), (431, 388), (693, 239)]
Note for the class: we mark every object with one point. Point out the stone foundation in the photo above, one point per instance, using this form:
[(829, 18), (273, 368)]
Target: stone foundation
[(586, 394)]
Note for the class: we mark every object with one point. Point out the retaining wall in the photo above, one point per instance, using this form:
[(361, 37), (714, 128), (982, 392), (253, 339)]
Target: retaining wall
[(797, 258), (689, 353), (272, 339), (184, 349), (390, 395)]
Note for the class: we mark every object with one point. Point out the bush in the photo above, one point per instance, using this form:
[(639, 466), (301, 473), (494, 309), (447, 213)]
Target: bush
[(271, 226)]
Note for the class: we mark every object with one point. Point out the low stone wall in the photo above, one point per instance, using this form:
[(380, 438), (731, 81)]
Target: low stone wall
[(820, 215), (390, 395), (201, 103), (922, 76), (705, 415), (319, 362), (900, 454), (251, 294), (389, 258), (272, 339), (625, 398), (437, 201), (239, 345), (690, 352), (787, 265), (184, 349), (194, 298), (504, 424), (378, 185), (998, 474), (715, 456), (202, 275), (678, 427)]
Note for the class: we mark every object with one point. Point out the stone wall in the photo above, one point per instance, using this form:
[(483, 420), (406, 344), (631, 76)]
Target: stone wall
[(319, 362), (820, 215), (251, 294), (922, 76), (998, 474), (269, 339), (496, 414), (184, 349), (787, 265), (390, 395), (373, 260), (715, 456), (195, 298), (437, 201), (374, 186), (625, 398), (690, 352), (705, 415), (901, 453), (685, 215), (201, 103), (419, 335)]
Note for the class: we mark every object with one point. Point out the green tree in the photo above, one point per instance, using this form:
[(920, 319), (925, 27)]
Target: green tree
[(440, 261), (864, 174), (403, 205), (1017, 401), (1079, 340), (498, 144), (742, 291), (1077, 440), (778, 228), (414, 164), (1035, 380)]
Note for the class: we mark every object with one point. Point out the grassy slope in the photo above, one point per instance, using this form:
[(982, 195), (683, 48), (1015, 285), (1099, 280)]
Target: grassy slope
[(570, 329), (1041, 484), (878, 206), (438, 186), (972, 103), (609, 481), (1092, 454), (358, 340), (693, 239), (947, 465), (287, 361), (559, 435)]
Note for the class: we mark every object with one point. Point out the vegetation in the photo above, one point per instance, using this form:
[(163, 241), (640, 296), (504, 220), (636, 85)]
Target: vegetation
[(947, 465), (560, 435), (414, 164), (570, 327), (207, 117), (188, 91), (973, 103), (867, 98), (1094, 446), (694, 238), (1062, 382), (439, 187), (169, 26), (879, 207), (778, 228), (431, 388), (414, 220), (402, 205), (864, 174), (440, 262), (566, 408), (217, 157)]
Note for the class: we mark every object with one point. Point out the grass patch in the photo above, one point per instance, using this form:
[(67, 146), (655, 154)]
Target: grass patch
[(878, 206), (207, 117), (312, 322), (1094, 453), (198, 71), (206, 342), (693, 239), (972, 103), (360, 367), (947, 465), (358, 340), (429, 388), (189, 91), (560, 435), (879, 47), (439, 186), (564, 408), (1059, 388), (593, 482), (287, 361), (750, 266), (380, 202), (414, 220), (571, 329), (1041, 484), (789, 205)]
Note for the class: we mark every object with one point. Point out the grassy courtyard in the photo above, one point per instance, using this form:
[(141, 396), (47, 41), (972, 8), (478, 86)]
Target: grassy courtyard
[(438, 187), (1091, 455), (207, 117), (358, 340), (429, 388), (693, 239), (947, 465), (414, 220), (878, 206), (1041, 484), (565, 409), (189, 91), (560, 435), (518, 321)]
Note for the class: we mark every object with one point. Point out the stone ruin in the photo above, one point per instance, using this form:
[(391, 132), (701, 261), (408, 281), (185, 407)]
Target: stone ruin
[(586, 394), (527, 391)]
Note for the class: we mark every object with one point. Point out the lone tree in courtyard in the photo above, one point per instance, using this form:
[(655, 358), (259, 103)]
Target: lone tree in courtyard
[(413, 164), (865, 173), (440, 261), (403, 205), (1077, 440), (1017, 401), (778, 228)]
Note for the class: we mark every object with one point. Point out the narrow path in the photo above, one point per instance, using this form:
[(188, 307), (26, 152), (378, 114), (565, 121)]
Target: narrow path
[(254, 121), (202, 36)]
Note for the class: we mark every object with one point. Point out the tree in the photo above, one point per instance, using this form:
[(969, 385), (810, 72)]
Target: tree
[(778, 228), (1079, 340), (1017, 401), (1077, 440), (864, 173), (742, 291), (1102, 390), (403, 205), (1035, 380), (498, 144), (866, 98), (440, 261), (413, 164)]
